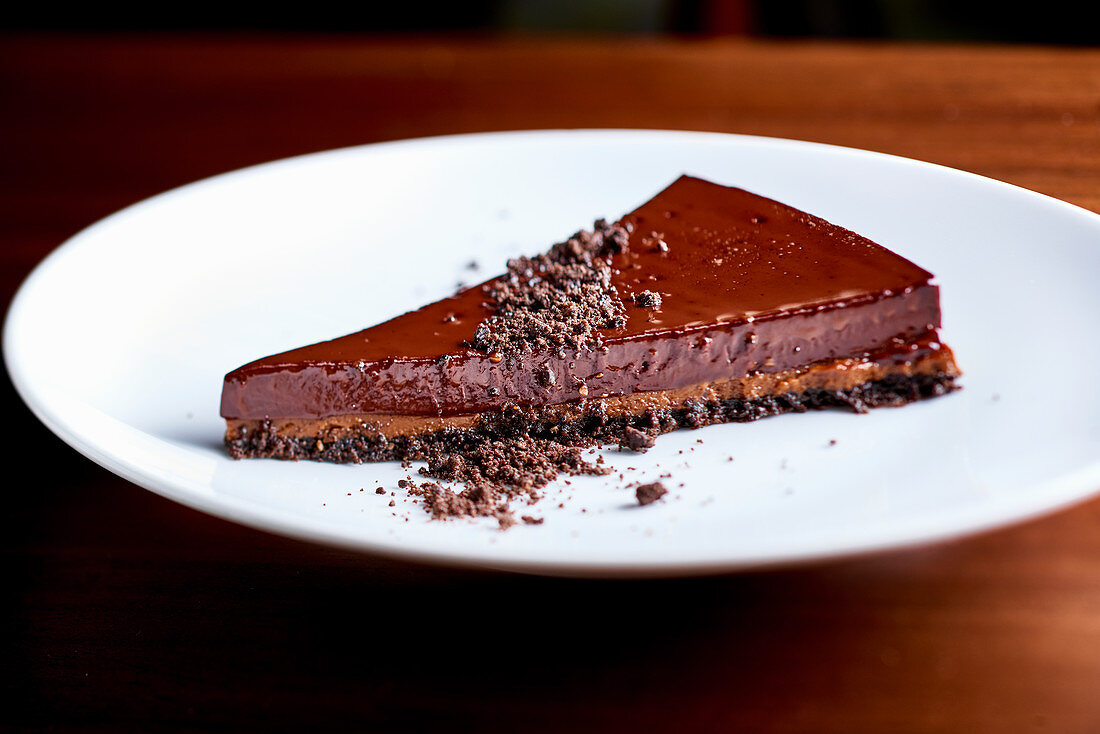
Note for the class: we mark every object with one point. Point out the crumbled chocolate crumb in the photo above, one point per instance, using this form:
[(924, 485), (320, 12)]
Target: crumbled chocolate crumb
[(636, 440), (647, 299), (442, 360), (649, 493), (558, 300), (379, 490), (533, 520), (495, 472)]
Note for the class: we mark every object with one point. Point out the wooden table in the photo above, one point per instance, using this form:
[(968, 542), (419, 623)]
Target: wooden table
[(127, 611)]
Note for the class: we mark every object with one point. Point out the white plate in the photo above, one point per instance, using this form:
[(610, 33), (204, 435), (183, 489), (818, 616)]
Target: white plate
[(120, 339)]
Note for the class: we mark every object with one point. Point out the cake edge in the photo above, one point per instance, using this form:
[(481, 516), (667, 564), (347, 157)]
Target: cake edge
[(591, 422)]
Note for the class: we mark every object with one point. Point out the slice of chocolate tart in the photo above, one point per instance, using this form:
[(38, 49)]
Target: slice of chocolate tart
[(707, 304)]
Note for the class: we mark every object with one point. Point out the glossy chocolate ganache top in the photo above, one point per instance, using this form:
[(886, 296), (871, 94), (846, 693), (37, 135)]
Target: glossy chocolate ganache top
[(715, 282)]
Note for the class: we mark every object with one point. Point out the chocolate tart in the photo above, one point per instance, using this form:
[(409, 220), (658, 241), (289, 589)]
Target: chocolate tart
[(707, 304)]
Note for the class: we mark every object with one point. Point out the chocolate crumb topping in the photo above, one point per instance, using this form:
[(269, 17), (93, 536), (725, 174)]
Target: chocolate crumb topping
[(649, 493), (558, 300), (647, 299)]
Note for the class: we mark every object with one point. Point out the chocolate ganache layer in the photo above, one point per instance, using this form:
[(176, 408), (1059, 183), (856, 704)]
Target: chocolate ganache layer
[(705, 283)]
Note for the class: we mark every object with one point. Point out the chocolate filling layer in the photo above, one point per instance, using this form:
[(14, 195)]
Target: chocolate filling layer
[(473, 382)]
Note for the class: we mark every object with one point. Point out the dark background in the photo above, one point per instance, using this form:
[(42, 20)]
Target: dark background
[(1051, 22)]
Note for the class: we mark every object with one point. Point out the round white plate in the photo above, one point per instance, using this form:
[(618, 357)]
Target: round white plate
[(119, 341)]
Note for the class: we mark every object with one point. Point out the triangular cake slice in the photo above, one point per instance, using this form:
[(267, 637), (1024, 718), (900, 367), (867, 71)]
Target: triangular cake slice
[(707, 304)]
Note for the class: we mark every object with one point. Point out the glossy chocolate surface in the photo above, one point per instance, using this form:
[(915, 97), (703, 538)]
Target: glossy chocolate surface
[(746, 284)]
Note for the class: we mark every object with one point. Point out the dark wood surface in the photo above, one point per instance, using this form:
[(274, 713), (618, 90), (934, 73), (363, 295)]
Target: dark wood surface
[(125, 611)]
